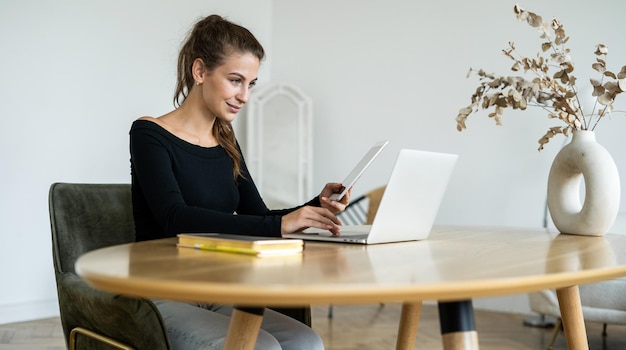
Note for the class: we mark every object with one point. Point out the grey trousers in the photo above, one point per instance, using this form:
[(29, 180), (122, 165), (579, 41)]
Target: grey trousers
[(194, 326)]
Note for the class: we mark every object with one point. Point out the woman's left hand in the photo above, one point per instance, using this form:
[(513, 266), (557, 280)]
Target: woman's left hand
[(335, 207)]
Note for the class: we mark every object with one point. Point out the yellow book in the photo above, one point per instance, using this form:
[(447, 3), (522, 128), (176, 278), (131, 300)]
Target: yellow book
[(230, 243)]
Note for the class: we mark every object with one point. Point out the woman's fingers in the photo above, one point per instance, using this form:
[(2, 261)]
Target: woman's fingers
[(336, 207), (310, 217), (320, 216), (330, 188)]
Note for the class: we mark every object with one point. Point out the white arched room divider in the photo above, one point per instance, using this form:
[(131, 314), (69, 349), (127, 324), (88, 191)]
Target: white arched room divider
[(279, 144)]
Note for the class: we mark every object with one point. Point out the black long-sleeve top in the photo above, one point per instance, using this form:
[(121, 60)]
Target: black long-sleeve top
[(178, 187)]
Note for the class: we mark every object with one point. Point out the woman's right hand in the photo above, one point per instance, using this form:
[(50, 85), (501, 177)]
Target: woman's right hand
[(308, 216)]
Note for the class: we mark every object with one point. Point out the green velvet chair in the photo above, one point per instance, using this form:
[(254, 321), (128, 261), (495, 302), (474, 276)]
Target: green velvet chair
[(84, 217)]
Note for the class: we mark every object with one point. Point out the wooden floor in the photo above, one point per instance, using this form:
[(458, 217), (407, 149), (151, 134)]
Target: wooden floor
[(365, 327)]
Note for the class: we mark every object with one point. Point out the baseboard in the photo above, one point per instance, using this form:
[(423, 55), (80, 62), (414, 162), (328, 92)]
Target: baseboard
[(35, 310)]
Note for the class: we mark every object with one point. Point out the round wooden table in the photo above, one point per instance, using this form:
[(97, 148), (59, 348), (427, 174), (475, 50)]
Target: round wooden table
[(452, 266)]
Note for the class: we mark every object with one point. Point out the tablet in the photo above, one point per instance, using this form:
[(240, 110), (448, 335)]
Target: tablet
[(359, 169)]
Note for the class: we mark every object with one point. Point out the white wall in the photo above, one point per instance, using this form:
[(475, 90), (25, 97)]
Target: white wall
[(396, 69), (74, 74)]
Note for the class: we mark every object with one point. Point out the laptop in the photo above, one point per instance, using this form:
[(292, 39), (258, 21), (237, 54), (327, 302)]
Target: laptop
[(408, 207)]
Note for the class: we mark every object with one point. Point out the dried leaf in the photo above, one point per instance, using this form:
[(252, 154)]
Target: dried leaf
[(501, 103), (611, 87), (577, 125), (496, 117), (562, 76), (559, 32), (570, 118), (610, 74), (523, 104), (534, 20), (601, 49), (568, 67), (561, 57), (597, 90), (598, 67), (621, 83), (462, 116), (605, 99), (555, 129), (465, 111), (548, 135)]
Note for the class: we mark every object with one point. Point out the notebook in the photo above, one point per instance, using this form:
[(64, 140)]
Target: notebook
[(409, 205)]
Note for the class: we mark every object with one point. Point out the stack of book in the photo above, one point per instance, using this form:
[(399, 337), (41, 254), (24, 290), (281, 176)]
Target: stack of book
[(251, 245)]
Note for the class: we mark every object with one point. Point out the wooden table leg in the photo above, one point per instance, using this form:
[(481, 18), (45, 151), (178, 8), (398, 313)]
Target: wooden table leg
[(572, 315), (407, 330), (243, 328), (458, 330)]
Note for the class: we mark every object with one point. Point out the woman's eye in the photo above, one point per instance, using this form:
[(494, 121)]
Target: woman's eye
[(252, 84), (235, 81)]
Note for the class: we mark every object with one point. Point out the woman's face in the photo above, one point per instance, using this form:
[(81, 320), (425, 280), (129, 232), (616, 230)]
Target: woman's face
[(227, 88)]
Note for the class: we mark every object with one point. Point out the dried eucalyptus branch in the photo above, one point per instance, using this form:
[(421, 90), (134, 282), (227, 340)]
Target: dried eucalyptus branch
[(555, 92)]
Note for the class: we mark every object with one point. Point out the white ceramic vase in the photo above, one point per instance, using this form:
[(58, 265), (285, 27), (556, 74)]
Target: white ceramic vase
[(583, 158)]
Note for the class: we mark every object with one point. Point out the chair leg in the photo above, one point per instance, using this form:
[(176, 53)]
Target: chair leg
[(604, 330), (555, 333), (96, 336)]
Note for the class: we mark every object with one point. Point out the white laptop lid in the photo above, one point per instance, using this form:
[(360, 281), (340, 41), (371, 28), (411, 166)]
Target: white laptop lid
[(413, 196)]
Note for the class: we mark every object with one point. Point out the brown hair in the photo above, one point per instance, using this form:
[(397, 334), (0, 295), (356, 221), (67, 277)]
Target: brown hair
[(213, 39)]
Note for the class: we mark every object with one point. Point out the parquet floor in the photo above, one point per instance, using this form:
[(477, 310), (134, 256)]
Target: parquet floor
[(365, 327)]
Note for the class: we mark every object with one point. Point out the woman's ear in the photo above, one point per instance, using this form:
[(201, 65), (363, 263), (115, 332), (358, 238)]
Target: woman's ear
[(198, 70)]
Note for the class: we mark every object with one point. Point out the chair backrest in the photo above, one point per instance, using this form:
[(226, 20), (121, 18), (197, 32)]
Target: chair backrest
[(355, 212), (362, 210), (375, 197), (84, 217)]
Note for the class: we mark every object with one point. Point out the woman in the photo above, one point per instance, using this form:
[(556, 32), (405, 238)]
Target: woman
[(188, 175)]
